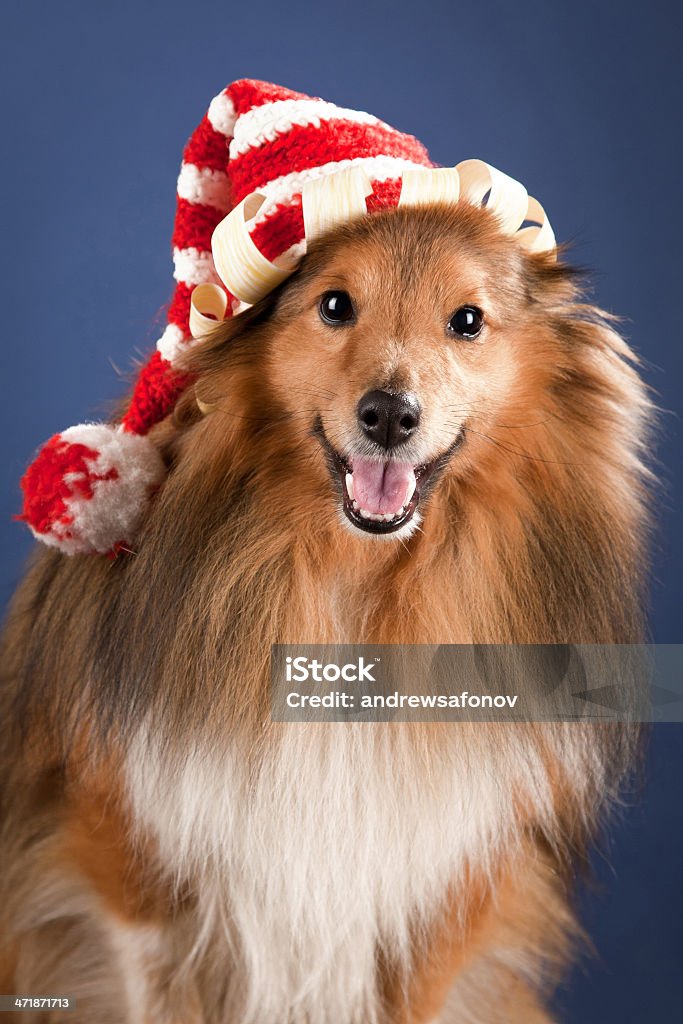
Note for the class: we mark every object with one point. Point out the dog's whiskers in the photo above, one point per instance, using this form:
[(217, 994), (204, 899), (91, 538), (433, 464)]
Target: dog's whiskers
[(514, 451)]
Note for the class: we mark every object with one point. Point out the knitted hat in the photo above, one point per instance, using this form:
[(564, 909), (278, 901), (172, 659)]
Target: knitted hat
[(266, 170)]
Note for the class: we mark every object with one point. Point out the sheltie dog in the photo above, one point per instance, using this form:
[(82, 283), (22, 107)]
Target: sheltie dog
[(424, 436)]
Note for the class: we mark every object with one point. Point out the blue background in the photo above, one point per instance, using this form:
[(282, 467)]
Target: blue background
[(580, 101)]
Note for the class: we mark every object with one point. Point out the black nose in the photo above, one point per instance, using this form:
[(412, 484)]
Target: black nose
[(388, 419)]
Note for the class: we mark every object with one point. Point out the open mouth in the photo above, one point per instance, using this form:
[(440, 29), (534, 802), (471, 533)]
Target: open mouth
[(381, 496)]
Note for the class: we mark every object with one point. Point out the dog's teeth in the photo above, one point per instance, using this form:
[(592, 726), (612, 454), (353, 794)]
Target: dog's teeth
[(409, 491), (349, 485), (379, 517)]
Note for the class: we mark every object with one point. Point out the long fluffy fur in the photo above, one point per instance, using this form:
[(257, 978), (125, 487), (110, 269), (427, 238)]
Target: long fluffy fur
[(161, 836)]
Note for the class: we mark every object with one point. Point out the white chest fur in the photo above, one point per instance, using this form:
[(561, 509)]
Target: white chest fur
[(340, 840)]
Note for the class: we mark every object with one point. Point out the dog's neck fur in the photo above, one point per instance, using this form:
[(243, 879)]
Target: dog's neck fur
[(260, 820)]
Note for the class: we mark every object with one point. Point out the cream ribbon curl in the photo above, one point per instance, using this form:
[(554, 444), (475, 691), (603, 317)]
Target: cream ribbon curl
[(241, 266), (338, 198), (429, 185), (208, 305), (474, 180), (334, 199)]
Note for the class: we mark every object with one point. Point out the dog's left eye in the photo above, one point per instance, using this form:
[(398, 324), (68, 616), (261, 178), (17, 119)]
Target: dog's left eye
[(336, 308), (466, 322)]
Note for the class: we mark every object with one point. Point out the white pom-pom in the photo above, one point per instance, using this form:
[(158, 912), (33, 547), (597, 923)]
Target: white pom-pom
[(88, 488)]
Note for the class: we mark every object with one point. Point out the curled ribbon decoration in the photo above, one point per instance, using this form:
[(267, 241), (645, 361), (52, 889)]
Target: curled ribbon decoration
[(474, 181), (208, 305), (429, 185), (340, 197), (507, 198), (538, 236), (334, 199), (241, 266)]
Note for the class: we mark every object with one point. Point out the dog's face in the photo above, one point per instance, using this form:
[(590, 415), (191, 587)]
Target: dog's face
[(399, 346)]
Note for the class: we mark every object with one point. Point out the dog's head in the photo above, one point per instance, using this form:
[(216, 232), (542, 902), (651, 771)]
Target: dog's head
[(411, 350)]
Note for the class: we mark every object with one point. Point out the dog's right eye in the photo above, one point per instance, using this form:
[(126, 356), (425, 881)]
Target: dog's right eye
[(336, 308)]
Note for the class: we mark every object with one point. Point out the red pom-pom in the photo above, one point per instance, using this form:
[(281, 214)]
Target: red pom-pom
[(87, 489)]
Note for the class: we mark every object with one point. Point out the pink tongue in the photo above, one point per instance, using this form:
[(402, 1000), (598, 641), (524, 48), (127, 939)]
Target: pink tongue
[(380, 487)]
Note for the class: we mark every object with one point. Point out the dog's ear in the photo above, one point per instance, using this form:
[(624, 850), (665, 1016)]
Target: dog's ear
[(231, 342), (561, 292), (552, 280)]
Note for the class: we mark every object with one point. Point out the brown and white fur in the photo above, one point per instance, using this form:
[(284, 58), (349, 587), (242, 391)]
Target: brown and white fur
[(172, 855)]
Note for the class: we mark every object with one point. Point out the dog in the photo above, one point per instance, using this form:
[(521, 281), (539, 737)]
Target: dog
[(424, 436)]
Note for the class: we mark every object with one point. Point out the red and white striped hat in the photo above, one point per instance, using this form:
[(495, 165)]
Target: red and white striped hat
[(266, 170)]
